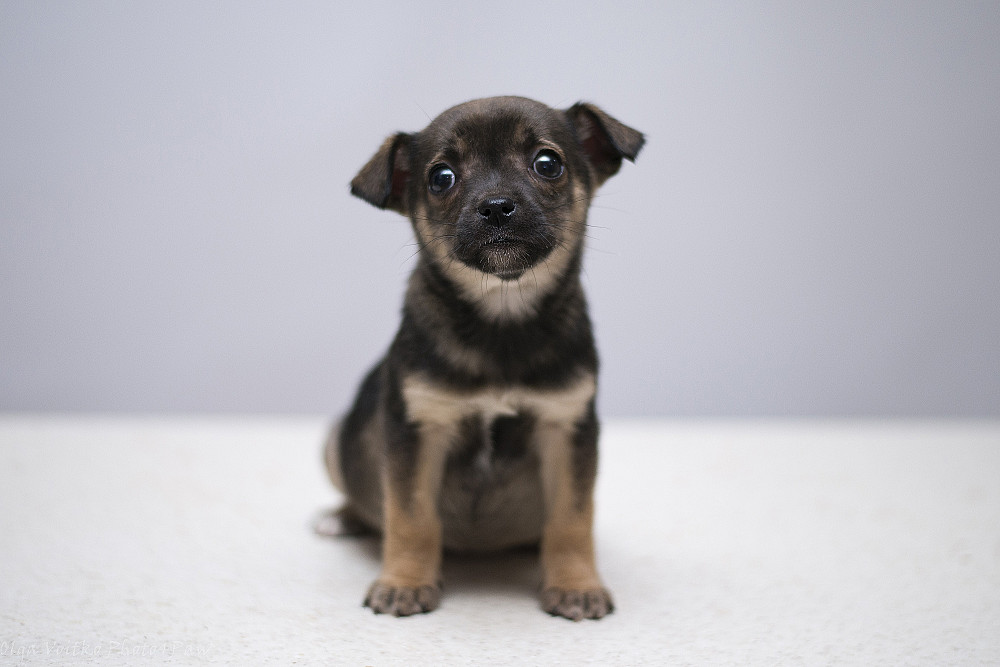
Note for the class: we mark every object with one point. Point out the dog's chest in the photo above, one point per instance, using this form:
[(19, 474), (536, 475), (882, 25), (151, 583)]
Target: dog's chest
[(428, 402), (491, 495), (488, 444)]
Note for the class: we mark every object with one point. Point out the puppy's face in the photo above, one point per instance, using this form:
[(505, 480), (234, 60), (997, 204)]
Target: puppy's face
[(500, 186)]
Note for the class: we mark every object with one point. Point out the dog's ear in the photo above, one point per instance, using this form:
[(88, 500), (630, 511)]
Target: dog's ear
[(382, 182), (605, 141)]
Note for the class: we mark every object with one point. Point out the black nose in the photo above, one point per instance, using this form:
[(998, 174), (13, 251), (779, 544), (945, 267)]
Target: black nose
[(497, 210)]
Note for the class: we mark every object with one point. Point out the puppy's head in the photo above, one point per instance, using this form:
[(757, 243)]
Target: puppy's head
[(500, 186)]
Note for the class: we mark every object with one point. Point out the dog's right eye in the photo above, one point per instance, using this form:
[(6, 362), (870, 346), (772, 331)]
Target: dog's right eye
[(548, 164), (442, 178)]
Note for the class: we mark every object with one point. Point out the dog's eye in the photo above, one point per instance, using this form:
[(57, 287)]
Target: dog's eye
[(548, 164), (442, 178)]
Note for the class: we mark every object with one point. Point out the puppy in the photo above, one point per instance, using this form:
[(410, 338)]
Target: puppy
[(477, 430)]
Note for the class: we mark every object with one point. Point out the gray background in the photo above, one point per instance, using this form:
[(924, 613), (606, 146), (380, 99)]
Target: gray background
[(812, 229)]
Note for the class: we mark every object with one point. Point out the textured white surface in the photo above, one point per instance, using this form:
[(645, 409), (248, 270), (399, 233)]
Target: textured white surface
[(187, 540)]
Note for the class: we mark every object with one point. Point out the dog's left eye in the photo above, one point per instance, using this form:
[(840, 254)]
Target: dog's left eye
[(548, 164), (442, 178)]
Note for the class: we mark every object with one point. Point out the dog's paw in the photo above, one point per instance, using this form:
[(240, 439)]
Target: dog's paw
[(402, 600), (577, 604), (343, 522)]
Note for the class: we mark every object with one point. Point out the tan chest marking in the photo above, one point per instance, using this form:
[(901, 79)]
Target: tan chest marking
[(431, 405)]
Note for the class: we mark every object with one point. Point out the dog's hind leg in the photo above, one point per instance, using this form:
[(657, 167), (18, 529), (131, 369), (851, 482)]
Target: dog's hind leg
[(347, 520)]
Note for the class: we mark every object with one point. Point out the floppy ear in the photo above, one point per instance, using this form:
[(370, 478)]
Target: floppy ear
[(605, 141), (382, 182)]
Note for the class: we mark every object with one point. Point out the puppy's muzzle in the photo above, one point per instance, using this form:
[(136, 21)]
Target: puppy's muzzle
[(503, 234)]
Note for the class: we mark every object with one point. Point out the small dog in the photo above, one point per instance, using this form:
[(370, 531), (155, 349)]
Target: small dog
[(477, 430)]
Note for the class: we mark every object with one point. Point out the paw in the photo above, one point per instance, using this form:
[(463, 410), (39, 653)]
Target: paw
[(576, 604), (402, 600), (341, 523)]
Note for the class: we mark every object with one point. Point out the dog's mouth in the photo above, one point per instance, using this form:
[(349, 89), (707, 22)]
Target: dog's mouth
[(502, 241), (506, 256)]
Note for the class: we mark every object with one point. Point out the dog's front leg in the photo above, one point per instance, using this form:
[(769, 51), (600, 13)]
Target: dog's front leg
[(411, 548), (571, 586)]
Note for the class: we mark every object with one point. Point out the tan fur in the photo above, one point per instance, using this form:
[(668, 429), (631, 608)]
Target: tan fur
[(331, 450), (567, 541), (427, 402), (411, 549)]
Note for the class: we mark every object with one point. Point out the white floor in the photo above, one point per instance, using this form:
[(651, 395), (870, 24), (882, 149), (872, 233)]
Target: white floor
[(726, 543)]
